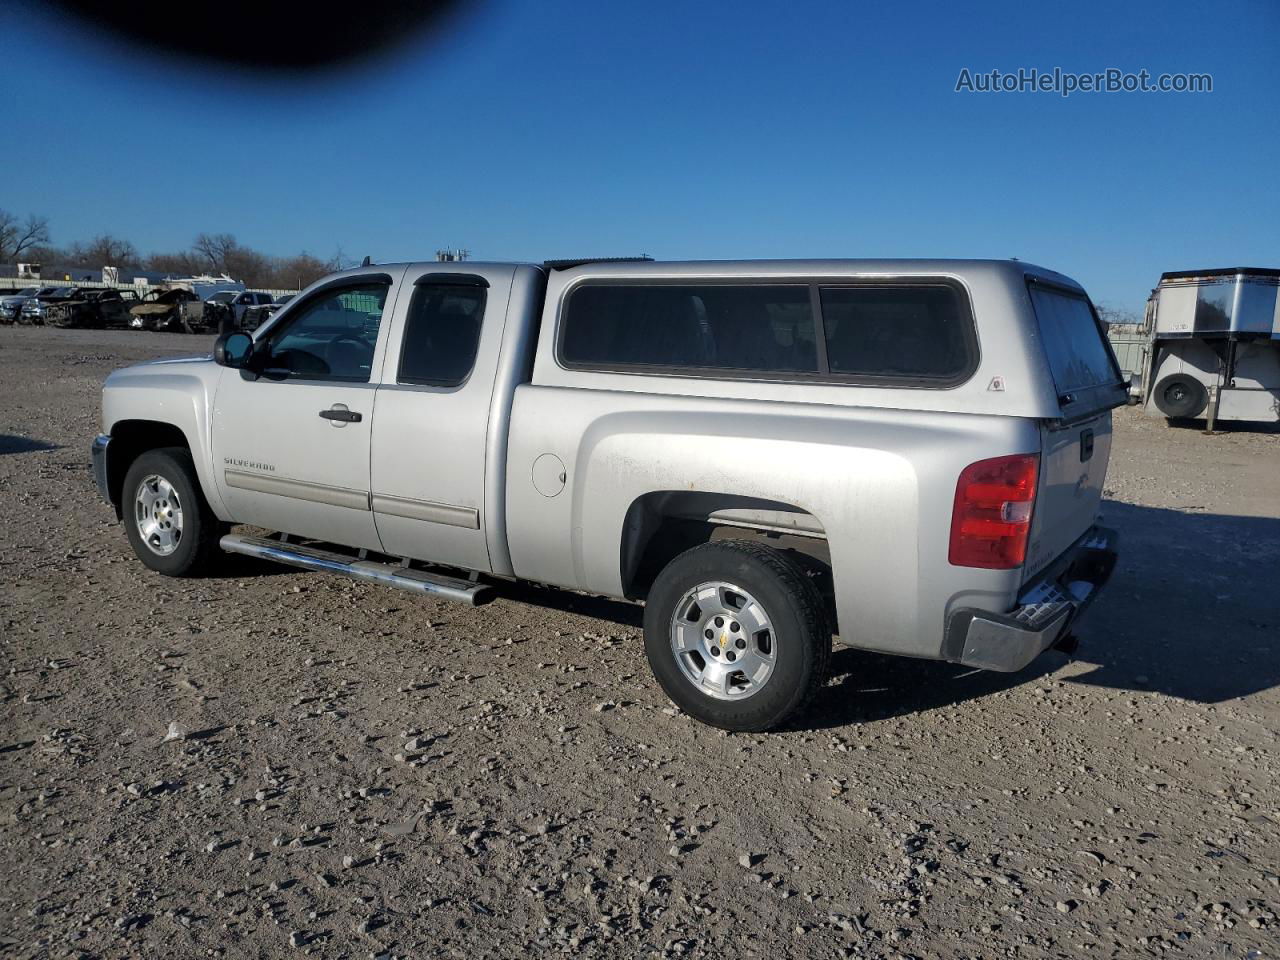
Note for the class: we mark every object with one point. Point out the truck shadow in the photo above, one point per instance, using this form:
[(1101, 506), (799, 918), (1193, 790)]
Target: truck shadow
[(1193, 609), (10, 443), (1225, 426), (1192, 612), (621, 612), (869, 687)]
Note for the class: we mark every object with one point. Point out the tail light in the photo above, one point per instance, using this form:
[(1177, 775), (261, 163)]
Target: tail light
[(991, 519)]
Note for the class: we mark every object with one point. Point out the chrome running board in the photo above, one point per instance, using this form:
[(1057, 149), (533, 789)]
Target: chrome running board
[(390, 574)]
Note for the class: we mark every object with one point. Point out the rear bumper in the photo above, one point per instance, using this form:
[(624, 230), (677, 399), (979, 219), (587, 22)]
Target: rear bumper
[(1047, 610), (98, 456)]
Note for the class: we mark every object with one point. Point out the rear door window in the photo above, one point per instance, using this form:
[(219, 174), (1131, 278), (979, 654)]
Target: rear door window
[(442, 334), (1078, 355)]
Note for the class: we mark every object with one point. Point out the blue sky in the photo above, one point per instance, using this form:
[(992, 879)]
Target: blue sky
[(537, 130)]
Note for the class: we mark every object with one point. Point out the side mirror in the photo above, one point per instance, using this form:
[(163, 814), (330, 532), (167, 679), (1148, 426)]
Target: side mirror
[(233, 349)]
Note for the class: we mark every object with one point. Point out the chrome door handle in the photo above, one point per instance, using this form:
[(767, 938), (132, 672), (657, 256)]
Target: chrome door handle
[(341, 415)]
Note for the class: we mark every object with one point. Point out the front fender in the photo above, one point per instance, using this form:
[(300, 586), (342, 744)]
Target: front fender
[(177, 394)]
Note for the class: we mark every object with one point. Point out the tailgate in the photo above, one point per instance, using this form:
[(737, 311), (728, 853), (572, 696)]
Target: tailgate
[(1075, 447), (1073, 466)]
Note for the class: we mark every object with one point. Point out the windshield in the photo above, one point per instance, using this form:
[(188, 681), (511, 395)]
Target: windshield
[(225, 297)]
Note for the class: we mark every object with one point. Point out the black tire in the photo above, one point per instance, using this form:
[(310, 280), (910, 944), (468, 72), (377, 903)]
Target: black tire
[(797, 619), (1180, 396), (198, 529)]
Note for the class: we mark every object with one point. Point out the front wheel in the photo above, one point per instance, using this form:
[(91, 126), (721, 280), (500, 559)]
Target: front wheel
[(737, 635), (170, 526)]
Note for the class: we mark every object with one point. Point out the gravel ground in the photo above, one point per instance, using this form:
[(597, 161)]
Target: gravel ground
[(270, 762)]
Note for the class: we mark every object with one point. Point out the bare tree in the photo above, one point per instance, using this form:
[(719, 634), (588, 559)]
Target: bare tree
[(44, 253), (180, 264), (209, 253), (1110, 315), (250, 267), (294, 273), (19, 236), (105, 250), (216, 249)]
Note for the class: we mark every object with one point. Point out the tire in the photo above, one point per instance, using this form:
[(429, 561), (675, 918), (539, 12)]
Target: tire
[(181, 538), (1180, 396), (783, 638)]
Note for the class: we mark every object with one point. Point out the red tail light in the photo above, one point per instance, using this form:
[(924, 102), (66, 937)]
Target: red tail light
[(991, 519)]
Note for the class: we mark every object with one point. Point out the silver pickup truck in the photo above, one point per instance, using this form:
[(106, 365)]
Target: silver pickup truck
[(907, 454)]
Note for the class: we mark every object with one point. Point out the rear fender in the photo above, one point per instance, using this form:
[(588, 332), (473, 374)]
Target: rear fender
[(862, 497)]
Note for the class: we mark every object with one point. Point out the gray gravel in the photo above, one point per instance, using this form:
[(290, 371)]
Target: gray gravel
[(269, 762)]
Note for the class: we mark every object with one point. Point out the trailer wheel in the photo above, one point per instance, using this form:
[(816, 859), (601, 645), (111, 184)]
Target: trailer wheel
[(1181, 396)]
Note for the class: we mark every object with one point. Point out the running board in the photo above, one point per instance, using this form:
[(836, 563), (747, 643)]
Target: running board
[(390, 574)]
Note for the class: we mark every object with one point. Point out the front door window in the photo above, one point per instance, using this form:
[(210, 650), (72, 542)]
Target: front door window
[(330, 338)]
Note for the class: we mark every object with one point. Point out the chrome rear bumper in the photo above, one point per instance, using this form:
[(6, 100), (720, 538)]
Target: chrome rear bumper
[(1049, 607)]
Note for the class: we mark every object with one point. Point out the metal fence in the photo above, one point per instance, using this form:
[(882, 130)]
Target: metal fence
[(8, 284), (1132, 345)]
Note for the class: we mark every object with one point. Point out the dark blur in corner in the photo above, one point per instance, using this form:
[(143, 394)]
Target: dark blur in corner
[(281, 38)]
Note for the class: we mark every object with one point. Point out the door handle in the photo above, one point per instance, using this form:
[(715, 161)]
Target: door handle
[(1086, 445), (341, 415)]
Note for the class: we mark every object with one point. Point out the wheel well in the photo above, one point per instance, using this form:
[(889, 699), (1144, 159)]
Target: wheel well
[(129, 440), (660, 526)]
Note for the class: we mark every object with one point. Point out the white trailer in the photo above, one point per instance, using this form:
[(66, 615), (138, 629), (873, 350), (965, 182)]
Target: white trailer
[(1215, 345)]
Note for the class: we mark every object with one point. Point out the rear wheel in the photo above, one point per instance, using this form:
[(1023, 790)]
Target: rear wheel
[(170, 526), (737, 635), (1180, 395)]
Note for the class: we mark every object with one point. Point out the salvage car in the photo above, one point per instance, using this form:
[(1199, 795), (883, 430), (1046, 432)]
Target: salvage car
[(218, 311), (93, 308), (227, 309), (907, 454), (174, 310), (33, 310), (255, 317), (11, 303)]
